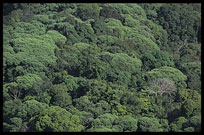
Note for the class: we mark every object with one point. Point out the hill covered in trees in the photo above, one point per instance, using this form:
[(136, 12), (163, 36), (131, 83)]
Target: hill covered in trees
[(101, 67)]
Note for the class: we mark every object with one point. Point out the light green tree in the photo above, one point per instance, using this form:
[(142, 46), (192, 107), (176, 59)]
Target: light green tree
[(168, 72), (57, 119)]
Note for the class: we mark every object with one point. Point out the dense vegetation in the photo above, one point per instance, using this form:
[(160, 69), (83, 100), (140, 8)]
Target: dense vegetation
[(77, 67)]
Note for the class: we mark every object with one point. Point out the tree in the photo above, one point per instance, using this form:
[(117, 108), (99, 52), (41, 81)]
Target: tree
[(109, 12), (190, 108), (34, 107), (165, 125), (195, 123), (101, 67), (146, 124), (60, 96), (193, 72), (126, 124), (156, 59), (119, 110), (103, 123), (184, 27), (142, 44), (13, 126), (151, 10), (83, 104), (88, 11), (190, 52), (191, 102), (57, 119), (100, 90), (177, 125), (86, 118), (120, 67), (163, 86), (100, 27), (41, 48), (85, 32), (170, 73), (14, 108), (28, 80), (12, 91), (104, 106), (40, 91)]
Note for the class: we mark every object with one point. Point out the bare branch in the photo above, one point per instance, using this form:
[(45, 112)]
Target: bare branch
[(163, 86), (15, 92)]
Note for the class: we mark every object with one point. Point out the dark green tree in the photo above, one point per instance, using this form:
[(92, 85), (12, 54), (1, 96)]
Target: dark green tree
[(88, 11), (146, 124)]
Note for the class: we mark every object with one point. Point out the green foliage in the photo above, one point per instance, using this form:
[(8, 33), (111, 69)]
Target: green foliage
[(60, 97), (195, 123), (14, 126), (193, 71), (120, 67), (160, 35), (57, 119), (105, 120), (130, 22), (99, 90), (138, 106), (15, 16), (165, 125), (86, 32), (14, 108), (28, 80), (146, 124), (5, 93), (101, 67), (136, 9), (83, 104), (151, 10), (32, 54), (121, 124), (44, 98), (190, 108), (40, 89), (183, 94), (106, 40), (168, 72), (56, 36), (119, 110), (87, 11), (190, 52), (177, 125), (142, 44), (126, 124), (157, 59), (189, 129), (131, 9), (188, 21), (109, 12), (45, 19), (34, 107), (100, 27), (33, 28), (191, 102)]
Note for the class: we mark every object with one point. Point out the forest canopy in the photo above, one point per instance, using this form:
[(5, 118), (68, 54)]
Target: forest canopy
[(102, 67)]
